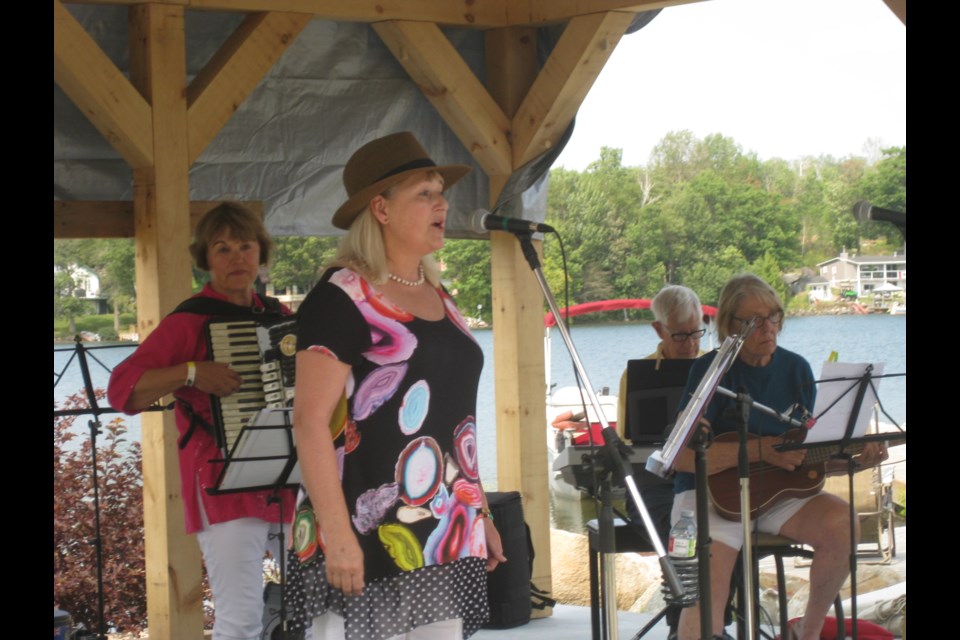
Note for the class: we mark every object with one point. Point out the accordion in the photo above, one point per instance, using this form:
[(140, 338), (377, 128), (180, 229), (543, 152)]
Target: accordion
[(262, 351)]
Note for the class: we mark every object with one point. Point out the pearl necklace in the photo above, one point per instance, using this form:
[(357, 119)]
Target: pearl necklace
[(409, 283)]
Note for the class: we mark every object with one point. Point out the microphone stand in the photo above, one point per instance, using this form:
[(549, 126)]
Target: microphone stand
[(613, 447)]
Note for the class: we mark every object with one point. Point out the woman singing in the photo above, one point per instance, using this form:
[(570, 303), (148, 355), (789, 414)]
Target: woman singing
[(393, 534)]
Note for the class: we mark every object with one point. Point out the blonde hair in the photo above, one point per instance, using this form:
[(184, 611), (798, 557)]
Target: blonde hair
[(363, 251), (738, 289)]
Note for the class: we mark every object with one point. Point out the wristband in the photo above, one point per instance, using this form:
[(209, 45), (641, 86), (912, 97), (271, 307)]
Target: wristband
[(485, 513), (191, 374)]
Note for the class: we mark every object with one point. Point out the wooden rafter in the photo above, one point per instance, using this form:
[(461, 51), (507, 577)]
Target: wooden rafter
[(485, 14), (446, 80), (540, 12), (234, 72), (114, 218), (100, 90), (564, 81)]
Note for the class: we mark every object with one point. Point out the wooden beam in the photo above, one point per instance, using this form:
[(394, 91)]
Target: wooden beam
[(540, 12), (899, 8), (485, 14), (564, 81), (114, 218), (462, 13), (100, 90), (161, 214), (234, 72), (465, 13), (511, 65), (462, 100)]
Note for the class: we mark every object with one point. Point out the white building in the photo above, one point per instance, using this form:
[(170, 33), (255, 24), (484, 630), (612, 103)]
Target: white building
[(865, 274)]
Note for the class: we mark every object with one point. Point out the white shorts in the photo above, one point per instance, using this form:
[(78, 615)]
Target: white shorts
[(730, 532)]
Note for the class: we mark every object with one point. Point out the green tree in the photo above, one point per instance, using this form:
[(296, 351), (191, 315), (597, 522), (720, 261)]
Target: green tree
[(767, 268), (885, 185), (708, 278), (466, 275), (297, 261), (112, 259)]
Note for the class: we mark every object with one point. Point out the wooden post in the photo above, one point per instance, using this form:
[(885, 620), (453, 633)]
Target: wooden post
[(518, 326), (162, 232)]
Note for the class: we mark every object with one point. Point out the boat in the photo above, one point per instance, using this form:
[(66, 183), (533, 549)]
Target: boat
[(571, 420), (898, 309)]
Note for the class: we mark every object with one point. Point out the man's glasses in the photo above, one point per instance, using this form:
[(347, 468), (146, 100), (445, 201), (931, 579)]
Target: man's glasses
[(774, 319), (683, 337)]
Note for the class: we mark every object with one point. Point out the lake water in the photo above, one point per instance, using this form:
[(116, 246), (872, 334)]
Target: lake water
[(604, 350)]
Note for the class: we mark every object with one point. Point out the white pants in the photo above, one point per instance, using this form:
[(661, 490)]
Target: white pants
[(329, 626), (233, 554)]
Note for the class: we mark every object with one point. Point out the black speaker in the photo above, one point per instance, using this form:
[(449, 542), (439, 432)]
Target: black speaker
[(508, 586)]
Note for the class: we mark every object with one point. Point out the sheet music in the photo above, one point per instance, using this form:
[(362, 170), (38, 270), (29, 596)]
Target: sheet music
[(832, 425), (267, 434)]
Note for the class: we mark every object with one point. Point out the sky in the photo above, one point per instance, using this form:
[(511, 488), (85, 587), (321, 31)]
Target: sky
[(782, 78)]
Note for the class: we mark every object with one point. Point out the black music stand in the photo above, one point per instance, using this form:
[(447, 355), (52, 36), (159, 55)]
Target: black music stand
[(264, 456), (850, 397), (82, 353)]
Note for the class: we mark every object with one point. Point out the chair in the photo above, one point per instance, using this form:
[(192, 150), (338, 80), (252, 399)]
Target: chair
[(780, 547), (873, 500)]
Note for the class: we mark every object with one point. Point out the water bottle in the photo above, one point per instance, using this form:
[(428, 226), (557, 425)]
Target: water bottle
[(682, 550), (683, 536)]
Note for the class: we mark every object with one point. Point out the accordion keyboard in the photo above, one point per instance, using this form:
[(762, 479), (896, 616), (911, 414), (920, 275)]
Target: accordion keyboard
[(262, 351)]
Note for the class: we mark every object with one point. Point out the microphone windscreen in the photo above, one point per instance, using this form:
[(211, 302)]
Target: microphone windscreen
[(476, 221), (861, 211)]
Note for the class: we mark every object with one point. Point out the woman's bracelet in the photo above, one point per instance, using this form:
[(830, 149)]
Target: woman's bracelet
[(191, 374), (485, 513)]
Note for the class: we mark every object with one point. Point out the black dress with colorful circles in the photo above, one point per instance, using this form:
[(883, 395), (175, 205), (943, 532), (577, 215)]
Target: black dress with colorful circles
[(406, 444)]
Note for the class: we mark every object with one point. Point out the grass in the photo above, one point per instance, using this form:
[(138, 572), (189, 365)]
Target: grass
[(99, 324)]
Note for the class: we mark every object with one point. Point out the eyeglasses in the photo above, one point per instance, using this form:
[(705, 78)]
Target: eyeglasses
[(774, 319), (683, 337)]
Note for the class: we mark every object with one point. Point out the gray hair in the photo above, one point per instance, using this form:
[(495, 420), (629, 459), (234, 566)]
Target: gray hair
[(677, 303)]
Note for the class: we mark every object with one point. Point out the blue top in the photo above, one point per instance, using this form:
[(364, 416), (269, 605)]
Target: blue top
[(785, 385)]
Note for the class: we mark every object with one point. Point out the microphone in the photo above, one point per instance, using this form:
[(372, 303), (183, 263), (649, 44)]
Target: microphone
[(482, 220), (864, 211)]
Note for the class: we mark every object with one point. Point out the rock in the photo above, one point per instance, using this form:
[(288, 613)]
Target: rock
[(869, 578), (571, 572)]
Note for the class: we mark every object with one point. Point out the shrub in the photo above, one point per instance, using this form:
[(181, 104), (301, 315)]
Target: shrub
[(121, 524)]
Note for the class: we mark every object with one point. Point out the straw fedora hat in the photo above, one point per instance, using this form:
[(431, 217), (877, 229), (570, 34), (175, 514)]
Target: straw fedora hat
[(382, 163)]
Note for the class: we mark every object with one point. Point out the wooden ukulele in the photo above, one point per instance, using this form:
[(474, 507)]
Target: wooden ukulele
[(769, 483)]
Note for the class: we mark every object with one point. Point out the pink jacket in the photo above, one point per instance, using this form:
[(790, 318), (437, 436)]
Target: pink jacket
[(177, 339)]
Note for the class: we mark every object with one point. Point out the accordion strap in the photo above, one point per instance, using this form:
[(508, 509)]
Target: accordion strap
[(213, 307), (195, 420)]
